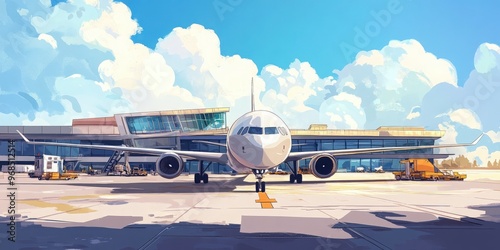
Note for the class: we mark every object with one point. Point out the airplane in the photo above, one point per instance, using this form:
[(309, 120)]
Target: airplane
[(257, 141)]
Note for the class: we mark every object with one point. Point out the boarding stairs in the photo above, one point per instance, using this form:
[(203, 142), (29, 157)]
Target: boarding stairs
[(112, 161)]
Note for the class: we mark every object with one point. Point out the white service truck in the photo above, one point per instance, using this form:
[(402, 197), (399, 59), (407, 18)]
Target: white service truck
[(50, 167)]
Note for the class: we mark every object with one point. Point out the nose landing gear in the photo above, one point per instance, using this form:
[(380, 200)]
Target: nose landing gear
[(260, 186)]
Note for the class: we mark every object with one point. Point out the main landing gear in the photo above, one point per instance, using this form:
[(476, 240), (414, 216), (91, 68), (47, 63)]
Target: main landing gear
[(294, 176), (201, 176), (260, 186)]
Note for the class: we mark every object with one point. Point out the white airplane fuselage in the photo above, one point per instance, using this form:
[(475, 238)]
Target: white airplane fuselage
[(258, 140)]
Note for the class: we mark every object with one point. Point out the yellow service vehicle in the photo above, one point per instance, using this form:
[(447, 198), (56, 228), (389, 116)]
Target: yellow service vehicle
[(449, 175), (58, 176), (139, 172), (423, 169), (418, 169)]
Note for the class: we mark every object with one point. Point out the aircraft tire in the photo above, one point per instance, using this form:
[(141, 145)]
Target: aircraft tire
[(197, 178), (263, 186), (257, 187), (205, 178), (299, 178), (292, 178)]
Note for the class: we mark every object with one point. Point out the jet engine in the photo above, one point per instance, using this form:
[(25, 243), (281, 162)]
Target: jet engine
[(169, 165), (323, 165)]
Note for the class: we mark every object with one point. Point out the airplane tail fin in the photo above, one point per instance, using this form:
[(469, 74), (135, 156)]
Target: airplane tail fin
[(253, 101)]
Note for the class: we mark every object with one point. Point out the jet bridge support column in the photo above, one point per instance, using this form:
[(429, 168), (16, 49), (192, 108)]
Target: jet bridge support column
[(127, 164), (407, 169)]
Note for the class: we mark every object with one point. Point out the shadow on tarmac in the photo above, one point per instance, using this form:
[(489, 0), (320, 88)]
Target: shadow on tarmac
[(214, 185), (440, 233)]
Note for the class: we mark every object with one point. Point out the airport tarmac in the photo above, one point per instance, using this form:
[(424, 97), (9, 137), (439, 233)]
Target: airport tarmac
[(346, 211)]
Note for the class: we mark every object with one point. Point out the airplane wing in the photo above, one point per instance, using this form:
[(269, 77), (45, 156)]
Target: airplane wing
[(190, 155), (295, 156), (211, 143)]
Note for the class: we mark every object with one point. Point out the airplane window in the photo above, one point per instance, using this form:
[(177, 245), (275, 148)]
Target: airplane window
[(239, 131), (270, 130), (255, 130), (244, 131), (283, 131)]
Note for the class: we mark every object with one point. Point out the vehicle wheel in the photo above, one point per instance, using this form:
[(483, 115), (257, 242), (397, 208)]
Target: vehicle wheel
[(263, 186), (398, 177), (197, 178), (257, 187), (205, 178), (299, 178), (292, 178), (39, 178)]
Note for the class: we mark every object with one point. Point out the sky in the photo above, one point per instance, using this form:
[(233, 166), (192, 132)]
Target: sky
[(277, 32), (348, 64)]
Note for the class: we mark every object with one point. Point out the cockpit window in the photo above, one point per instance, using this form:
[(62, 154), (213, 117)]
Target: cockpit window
[(255, 130), (282, 130), (270, 130), (239, 131), (244, 131)]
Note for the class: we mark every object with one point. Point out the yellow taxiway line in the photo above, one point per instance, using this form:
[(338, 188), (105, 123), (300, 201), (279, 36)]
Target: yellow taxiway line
[(265, 201)]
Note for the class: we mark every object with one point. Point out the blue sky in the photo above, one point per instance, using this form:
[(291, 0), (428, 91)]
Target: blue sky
[(347, 64), (277, 32)]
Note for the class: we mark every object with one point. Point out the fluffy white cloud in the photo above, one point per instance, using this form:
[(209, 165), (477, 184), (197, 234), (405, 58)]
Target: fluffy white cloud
[(91, 39), (450, 137), (465, 117), (345, 97), (392, 81), (194, 55), (414, 113), (487, 57), (482, 155), (49, 39), (494, 136), (77, 59), (480, 94), (36, 50), (456, 132), (402, 84), (296, 93)]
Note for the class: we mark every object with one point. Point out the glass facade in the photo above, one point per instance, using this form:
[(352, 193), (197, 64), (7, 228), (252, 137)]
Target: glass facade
[(389, 160), (169, 123), (192, 166), (370, 161), (24, 149), (350, 165), (329, 144)]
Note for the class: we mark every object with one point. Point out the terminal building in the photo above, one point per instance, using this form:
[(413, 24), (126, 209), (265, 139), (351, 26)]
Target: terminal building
[(180, 129)]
